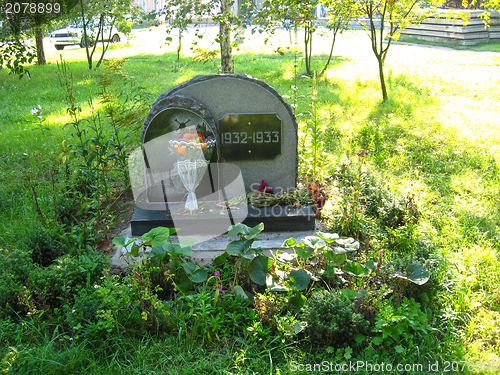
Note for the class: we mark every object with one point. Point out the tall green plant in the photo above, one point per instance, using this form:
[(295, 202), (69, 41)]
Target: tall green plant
[(312, 155)]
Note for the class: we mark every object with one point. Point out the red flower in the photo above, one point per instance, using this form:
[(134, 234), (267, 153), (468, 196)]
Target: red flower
[(262, 187)]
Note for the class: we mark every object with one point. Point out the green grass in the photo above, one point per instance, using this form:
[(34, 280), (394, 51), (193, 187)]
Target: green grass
[(437, 138)]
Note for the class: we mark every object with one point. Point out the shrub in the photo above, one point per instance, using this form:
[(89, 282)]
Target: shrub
[(402, 327), (62, 280), (43, 245), (15, 267), (331, 319)]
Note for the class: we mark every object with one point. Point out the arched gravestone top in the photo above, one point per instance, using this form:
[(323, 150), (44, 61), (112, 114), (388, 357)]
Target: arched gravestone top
[(240, 94), (164, 122), (159, 109)]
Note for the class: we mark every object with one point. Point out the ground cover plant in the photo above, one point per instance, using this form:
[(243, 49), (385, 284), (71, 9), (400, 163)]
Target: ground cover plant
[(412, 194)]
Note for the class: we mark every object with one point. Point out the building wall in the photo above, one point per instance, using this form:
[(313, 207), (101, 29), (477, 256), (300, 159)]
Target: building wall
[(149, 5)]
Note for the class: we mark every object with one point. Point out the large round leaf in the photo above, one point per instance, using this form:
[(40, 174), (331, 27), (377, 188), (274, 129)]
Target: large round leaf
[(184, 284), (239, 292), (303, 253), (238, 248), (356, 269), (259, 268), (194, 272), (415, 273), (327, 237), (298, 301), (158, 236), (299, 279), (221, 258), (176, 250)]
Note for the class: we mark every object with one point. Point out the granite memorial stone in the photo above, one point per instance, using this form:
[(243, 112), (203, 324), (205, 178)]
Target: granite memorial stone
[(209, 140)]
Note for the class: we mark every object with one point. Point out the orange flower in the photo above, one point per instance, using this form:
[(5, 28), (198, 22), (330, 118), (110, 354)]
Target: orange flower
[(204, 146), (181, 150)]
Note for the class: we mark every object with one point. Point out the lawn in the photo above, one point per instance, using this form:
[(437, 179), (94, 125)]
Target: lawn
[(415, 180)]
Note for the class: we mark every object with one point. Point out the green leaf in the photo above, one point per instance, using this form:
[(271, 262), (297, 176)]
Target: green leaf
[(289, 243), (362, 294), (348, 353), (349, 293), (345, 241), (348, 243), (238, 248), (250, 254), (329, 271), (194, 272), (239, 228), (184, 283), (298, 327), (356, 269), (158, 236), (158, 252), (221, 258), (284, 257), (415, 273), (298, 301), (301, 252), (399, 349), (189, 267), (371, 265), (119, 241), (239, 292), (340, 250), (135, 250), (198, 276), (300, 279), (176, 250), (327, 237), (359, 338), (311, 241), (377, 340), (259, 268), (252, 232), (336, 259)]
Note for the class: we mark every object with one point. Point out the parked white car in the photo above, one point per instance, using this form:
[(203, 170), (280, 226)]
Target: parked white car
[(71, 35)]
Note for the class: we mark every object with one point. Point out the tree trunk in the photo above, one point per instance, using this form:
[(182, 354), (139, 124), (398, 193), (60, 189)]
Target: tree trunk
[(330, 56), (179, 46), (40, 54), (85, 36), (226, 53), (382, 79)]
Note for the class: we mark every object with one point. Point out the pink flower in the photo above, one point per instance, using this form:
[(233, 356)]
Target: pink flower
[(216, 273), (269, 191), (220, 288)]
